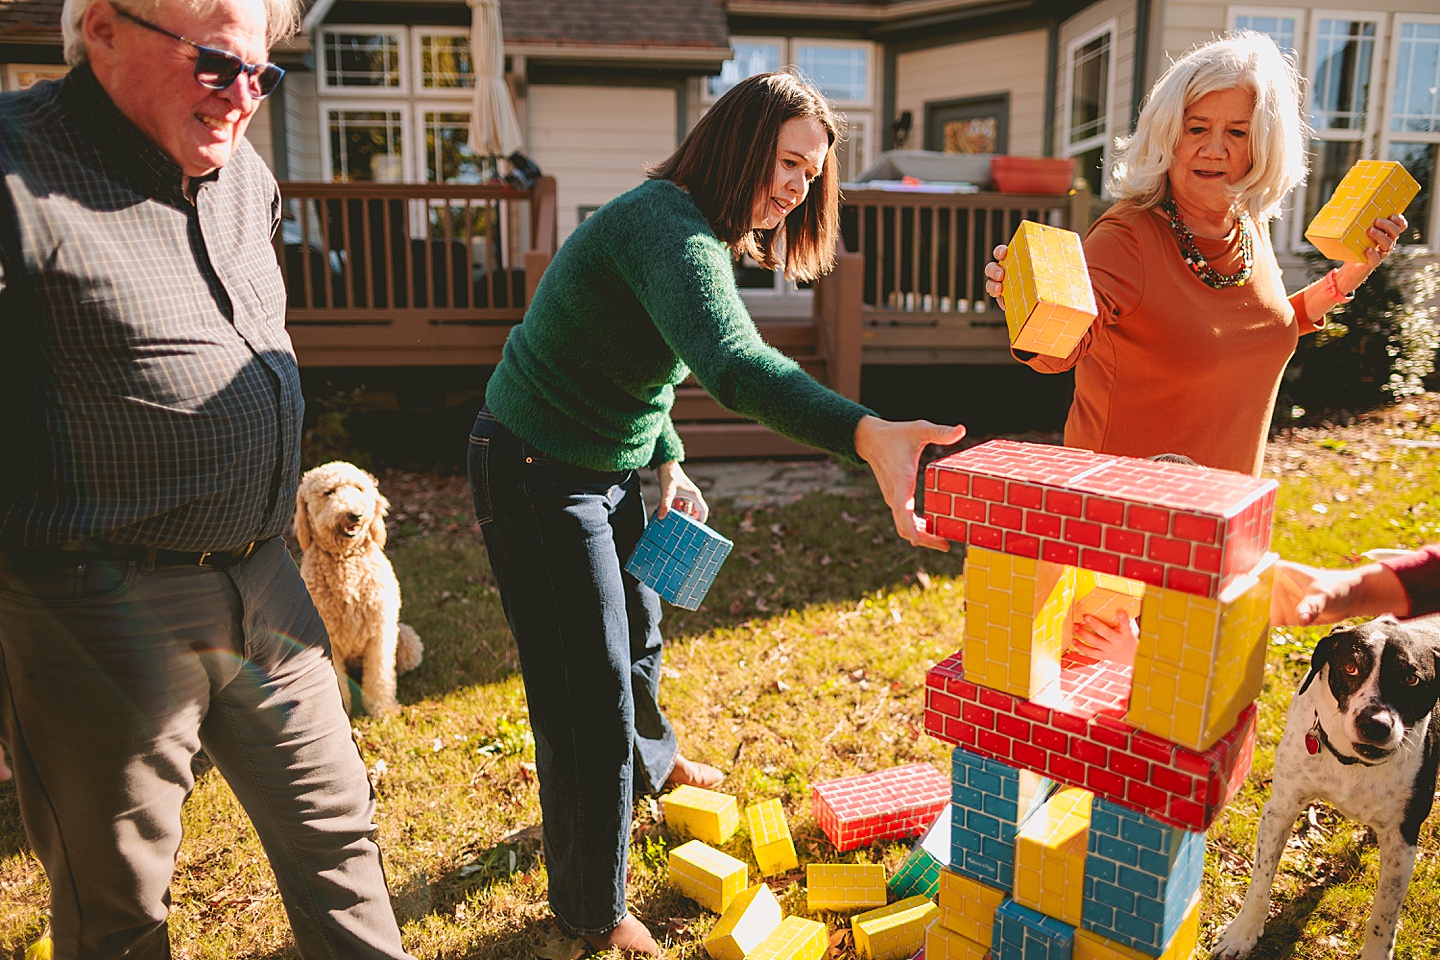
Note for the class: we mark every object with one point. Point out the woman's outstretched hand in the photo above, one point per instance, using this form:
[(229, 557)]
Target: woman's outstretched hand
[(892, 449)]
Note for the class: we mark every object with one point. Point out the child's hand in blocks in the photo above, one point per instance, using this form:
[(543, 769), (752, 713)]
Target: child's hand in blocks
[(1116, 642), (678, 492)]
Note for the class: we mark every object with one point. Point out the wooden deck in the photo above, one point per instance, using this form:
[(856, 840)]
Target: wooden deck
[(420, 275)]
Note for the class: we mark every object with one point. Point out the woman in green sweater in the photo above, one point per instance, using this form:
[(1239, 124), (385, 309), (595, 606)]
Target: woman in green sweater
[(642, 294)]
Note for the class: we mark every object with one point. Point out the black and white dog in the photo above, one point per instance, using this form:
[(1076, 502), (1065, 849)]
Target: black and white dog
[(1363, 734)]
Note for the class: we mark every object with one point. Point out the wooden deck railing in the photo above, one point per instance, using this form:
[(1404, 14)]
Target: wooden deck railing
[(392, 274), (921, 291)]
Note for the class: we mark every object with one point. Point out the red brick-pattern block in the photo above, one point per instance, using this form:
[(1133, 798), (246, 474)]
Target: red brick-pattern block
[(884, 805), (1170, 525), (1082, 740)]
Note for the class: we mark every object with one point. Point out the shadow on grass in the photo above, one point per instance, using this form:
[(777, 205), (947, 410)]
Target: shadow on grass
[(1285, 931), (822, 549)]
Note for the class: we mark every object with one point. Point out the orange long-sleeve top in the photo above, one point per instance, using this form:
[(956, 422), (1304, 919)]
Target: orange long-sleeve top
[(1172, 365)]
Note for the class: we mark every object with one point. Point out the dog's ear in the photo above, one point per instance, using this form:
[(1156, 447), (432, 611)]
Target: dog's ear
[(377, 522), (1319, 658), (304, 534)]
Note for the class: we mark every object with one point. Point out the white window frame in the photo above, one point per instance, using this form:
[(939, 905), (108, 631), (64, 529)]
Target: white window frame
[(1289, 234), (420, 107), (405, 52), (1387, 135), (869, 48), (417, 35), (782, 43), (408, 125), (1300, 15), (1105, 138)]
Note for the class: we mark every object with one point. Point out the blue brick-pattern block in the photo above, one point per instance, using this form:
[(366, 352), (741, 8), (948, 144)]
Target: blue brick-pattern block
[(985, 814), (678, 557), (1025, 934), (1140, 877)]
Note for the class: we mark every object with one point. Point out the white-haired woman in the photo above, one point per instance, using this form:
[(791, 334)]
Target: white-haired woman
[(1194, 326)]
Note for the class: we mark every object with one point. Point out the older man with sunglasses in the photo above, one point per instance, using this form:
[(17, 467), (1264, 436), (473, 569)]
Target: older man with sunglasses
[(148, 608)]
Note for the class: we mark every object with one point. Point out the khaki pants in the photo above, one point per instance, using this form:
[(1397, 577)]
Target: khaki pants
[(113, 677)]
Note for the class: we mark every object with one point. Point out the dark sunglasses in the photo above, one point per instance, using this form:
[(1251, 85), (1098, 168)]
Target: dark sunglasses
[(217, 69)]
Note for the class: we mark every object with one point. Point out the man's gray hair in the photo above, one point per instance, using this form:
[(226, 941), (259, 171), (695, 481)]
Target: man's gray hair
[(282, 20), (1278, 132)]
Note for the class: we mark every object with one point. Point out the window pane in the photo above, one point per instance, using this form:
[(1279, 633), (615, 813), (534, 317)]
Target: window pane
[(445, 63), (1091, 166), (751, 57), (1419, 159), (841, 73), (366, 145), (1279, 29), (854, 150), (448, 158), (362, 60), (1417, 80), (1343, 53), (1089, 89), (1330, 160)]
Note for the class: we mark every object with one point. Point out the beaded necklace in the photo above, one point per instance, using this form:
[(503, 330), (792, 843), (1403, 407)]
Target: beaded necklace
[(1196, 260)]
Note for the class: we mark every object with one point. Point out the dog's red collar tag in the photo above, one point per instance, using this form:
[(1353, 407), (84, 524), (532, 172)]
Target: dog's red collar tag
[(1312, 740)]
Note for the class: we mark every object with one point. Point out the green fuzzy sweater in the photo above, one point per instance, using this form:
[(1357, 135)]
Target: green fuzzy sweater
[(641, 294)]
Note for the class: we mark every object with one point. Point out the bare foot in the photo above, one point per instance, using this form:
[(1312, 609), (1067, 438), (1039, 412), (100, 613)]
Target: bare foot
[(631, 936), (693, 774)]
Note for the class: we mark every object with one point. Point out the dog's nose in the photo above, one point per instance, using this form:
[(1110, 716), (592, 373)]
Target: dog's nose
[(353, 517), (1375, 724)]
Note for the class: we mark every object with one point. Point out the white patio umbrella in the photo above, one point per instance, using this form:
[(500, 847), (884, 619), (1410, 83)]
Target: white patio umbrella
[(494, 130)]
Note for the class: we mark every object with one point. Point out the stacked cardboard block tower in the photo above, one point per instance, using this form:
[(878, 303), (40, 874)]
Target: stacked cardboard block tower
[(1082, 790)]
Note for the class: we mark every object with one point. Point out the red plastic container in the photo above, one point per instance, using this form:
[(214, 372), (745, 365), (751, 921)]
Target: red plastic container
[(1052, 175)]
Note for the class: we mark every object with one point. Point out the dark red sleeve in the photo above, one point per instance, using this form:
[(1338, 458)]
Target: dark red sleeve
[(1419, 572)]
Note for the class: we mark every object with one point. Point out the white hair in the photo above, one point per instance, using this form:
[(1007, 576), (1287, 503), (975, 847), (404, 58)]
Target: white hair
[(282, 20), (1278, 134)]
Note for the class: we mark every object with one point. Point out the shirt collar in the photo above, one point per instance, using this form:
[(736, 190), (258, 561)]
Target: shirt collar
[(134, 152)]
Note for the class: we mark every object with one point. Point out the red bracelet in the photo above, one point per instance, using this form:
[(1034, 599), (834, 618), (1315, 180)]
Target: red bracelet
[(1332, 287)]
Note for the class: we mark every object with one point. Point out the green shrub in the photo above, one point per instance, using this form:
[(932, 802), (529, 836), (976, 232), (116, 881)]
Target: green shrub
[(1378, 347), (330, 439)]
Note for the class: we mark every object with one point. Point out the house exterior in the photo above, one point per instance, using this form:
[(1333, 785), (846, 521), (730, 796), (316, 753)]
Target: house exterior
[(379, 89)]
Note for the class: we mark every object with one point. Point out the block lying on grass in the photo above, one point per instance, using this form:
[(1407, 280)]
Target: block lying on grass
[(884, 805), (703, 814), (708, 876)]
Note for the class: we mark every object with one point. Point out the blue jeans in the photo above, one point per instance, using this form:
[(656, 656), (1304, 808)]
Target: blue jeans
[(114, 677), (589, 640)]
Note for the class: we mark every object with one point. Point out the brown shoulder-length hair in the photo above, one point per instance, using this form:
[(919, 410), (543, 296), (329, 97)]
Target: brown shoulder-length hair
[(728, 160)]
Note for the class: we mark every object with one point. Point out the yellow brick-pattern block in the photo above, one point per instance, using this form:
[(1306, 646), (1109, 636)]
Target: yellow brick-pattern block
[(1370, 190), (1049, 303), (795, 939), (1201, 662), (703, 814), (1050, 856), (893, 931), (1017, 621), (942, 943), (968, 906), (770, 838), (844, 886), (1092, 946), (1105, 596), (708, 876), (751, 918)]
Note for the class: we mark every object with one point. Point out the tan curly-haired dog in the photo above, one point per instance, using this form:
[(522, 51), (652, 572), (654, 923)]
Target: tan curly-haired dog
[(340, 523)]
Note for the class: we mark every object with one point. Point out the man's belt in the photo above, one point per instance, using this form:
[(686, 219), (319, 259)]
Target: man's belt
[(149, 557)]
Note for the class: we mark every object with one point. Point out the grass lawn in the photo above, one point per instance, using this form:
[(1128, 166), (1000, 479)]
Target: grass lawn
[(806, 663)]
